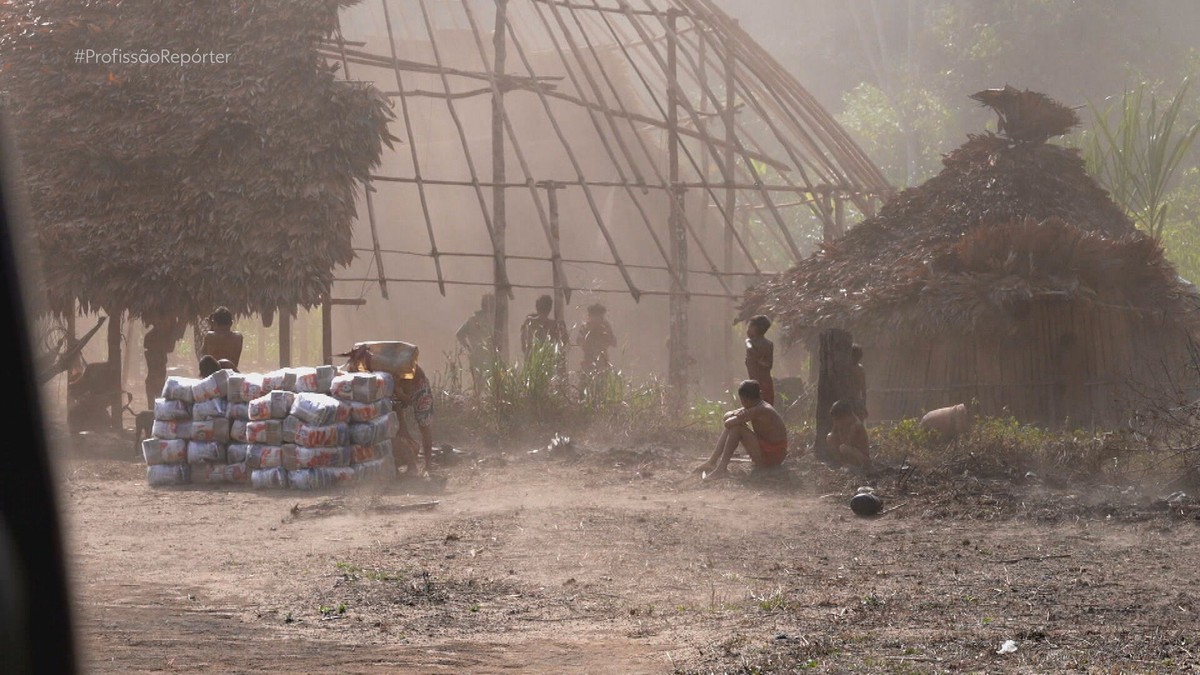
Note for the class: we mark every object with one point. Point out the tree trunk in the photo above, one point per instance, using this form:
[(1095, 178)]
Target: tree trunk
[(834, 382)]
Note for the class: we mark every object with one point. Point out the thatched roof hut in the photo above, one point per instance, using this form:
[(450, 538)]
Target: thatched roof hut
[(1011, 278), (165, 187)]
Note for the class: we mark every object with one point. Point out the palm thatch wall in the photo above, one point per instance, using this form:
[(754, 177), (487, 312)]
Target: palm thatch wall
[(1011, 278)]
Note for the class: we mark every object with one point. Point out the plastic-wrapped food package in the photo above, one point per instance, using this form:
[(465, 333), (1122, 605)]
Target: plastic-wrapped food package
[(324, 436), (391, 356), (216, 429), (178, 388), (199, 452), (379, 429), (171, 430), (238, 411), (236, 452), (245, 387), (276, 477), (316, 409), (324, 477), (273, 405), (216, 407), (283, 379), (365, 412), (159, 475), (171, 410), (367, 453), (316, 380), (213, 386), (303, 457), (265, 432), (259, 456), (363, 387), (164, 451), (211, 474)]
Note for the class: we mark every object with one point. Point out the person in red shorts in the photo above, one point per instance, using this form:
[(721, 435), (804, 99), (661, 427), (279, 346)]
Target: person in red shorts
[(756, 426)]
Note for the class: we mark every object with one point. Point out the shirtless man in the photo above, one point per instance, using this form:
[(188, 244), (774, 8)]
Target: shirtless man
[(756, 426), (222, 342), (848, 442)]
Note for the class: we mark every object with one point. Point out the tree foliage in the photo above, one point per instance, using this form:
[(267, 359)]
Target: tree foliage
[(165, 189)]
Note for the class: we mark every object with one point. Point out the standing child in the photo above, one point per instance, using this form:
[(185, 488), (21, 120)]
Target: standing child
[(595, 339), (760, 356)]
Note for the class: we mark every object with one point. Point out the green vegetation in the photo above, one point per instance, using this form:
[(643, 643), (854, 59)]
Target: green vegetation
[(1137, 151), (1003, 447)]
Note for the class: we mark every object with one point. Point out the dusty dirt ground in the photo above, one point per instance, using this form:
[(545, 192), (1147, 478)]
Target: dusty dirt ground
[(617, 561)]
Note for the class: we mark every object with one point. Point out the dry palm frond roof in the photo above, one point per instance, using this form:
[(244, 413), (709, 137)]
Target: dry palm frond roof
[(1002, 225)]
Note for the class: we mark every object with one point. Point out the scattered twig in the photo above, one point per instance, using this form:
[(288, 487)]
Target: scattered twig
[(400, 508), (1035, 558)]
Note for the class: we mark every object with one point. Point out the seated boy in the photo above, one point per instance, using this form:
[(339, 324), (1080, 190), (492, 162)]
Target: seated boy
[(847, 442), (756, 426)]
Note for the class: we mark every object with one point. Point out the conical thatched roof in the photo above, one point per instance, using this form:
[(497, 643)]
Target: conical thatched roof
[(1004, 224)]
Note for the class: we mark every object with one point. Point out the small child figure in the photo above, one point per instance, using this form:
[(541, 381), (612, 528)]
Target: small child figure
[(756, 426), (595, 337), (760, 356), (848, 442)]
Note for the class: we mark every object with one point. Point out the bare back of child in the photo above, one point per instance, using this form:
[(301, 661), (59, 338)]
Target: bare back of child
[(756, 427)]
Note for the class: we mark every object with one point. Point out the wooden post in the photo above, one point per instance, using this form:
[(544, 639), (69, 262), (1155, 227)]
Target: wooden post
[(326, 329), (727, 114), (560, 299), (839, 215), (127, 357), (833, 382), (499, 223), (115, 404), (285, 337), (677, 357)]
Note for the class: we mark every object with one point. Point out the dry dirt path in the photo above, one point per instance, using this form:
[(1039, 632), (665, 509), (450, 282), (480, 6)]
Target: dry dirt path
[(608, 566)]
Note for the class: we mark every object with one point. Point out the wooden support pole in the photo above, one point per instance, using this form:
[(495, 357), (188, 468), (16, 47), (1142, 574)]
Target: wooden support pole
[(729, 116), (326, 330), (582, 182), (285, 337), (416, 160), (677, 358), (499, 217), (561, 292), (113, 387)]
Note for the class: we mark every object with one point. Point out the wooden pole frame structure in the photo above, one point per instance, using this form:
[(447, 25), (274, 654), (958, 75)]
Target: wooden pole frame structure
[(770, 148)]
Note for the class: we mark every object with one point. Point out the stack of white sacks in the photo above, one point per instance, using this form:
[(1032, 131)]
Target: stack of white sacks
[(305, 428)]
